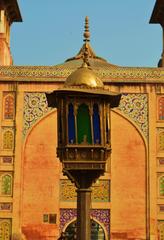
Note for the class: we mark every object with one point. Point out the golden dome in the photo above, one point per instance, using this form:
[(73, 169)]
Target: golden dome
[(84, 76)]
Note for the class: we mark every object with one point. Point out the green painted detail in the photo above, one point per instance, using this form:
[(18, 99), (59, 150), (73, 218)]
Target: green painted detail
[(162, 186), (6, 185), (83, 125)]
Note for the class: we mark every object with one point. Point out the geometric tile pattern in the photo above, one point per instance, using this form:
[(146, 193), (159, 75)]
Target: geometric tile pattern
[(100, 191)]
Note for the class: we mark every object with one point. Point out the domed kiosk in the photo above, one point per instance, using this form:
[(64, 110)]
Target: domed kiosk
[(83, 110)]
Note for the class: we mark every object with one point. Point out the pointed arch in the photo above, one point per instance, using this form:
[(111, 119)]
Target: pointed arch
[(98, 231), (5, 229)]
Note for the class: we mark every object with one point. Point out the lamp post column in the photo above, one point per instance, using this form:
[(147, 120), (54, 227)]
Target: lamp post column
[(83, 214)]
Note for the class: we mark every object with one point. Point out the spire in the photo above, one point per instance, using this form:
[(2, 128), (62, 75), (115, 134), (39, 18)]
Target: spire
[(86, 45), (86, 48), (86, 32)]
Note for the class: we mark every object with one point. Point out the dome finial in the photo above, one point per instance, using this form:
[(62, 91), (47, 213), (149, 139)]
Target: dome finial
[(86, 32)]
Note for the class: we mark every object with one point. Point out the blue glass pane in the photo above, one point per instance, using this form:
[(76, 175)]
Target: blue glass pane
[(96, 125), (71, 124)]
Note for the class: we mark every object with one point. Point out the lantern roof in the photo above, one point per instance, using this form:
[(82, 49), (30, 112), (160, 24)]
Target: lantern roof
[(112, 97), (84, 76), (84, 82)]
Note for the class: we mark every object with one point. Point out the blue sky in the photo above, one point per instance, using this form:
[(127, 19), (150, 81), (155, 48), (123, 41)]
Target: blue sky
[(52, 31)]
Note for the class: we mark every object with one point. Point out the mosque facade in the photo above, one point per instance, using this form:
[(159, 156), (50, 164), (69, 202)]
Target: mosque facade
[(37, 202)]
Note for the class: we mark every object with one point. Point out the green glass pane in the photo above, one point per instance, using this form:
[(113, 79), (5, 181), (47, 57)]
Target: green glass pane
[(83, 125)]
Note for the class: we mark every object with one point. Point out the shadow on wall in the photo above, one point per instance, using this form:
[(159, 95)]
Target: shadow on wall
[(35, 233), (18, 236), (32, 234)]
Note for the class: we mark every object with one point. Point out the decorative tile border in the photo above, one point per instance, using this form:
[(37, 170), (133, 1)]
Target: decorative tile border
[(105, 70)]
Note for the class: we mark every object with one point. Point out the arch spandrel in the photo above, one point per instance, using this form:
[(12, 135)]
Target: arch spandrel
[(35, 108), (135, 107)]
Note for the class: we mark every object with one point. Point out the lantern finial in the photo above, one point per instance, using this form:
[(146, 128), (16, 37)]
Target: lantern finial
[(86, 32)]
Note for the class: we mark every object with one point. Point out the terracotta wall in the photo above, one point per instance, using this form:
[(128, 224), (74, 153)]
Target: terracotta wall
[(128, 179), (41, 170)]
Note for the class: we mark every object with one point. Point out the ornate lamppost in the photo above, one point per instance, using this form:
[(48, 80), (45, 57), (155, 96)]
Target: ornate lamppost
[(83, 112)]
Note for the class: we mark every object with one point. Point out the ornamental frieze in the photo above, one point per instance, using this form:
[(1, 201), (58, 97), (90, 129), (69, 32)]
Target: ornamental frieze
[(107, 72)]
